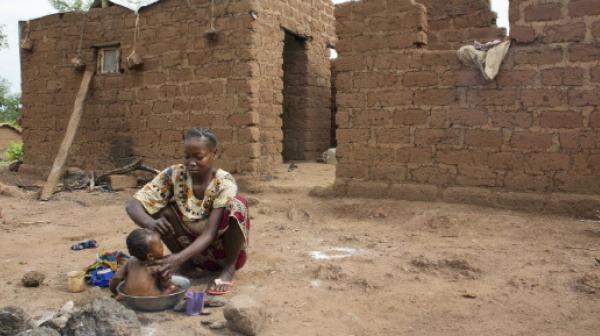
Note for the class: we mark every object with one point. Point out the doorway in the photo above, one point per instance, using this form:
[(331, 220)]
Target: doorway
[(295, 98)]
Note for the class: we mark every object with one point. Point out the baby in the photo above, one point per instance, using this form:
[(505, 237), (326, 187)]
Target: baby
[(140, 278)]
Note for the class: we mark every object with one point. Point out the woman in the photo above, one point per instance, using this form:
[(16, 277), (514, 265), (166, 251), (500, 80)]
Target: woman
[(197, 212)]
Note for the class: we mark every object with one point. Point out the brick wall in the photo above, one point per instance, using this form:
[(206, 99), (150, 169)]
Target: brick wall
[(417, 124), (275, 17), (187, 80)]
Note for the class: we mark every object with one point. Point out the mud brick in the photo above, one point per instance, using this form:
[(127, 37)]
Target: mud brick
[(542, 97), (468, 195), (389, 98), (436, 97), (511, 119), (530, 140), (250, 134), (463, 78), (483, 138), (523, 34), (570, 76), (410, 117), (415, 192), (122, 182), (435, 175), (569, 32), (539, 55), (582, 97), (583, 52), (414, 155), (543, 12), (481, 97), (437, 136), (506, 160), (353, 135), (583, 184), (467, 116), (579, 8), (420, 78), (561, 119), (462, 157), (579, 140), (392, 136), (595, 74), (548, 161), (390, 172), (373, 80), (596, 31), (351, 171), (244, 119), (595, 119)]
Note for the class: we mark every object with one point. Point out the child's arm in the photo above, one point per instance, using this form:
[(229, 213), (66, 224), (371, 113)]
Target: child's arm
[(118, 278)]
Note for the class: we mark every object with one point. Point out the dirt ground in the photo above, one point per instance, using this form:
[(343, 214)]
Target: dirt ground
[(326, 266)]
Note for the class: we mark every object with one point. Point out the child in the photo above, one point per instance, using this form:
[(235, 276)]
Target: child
[(141, 279)]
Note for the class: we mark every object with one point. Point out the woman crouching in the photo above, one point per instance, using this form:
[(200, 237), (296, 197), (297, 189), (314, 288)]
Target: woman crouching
[(197, 212)]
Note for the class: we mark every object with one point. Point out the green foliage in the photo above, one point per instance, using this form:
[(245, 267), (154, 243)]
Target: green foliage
[(10, 104), (14, 152), (80, 5), (3, 37), (71, 5)]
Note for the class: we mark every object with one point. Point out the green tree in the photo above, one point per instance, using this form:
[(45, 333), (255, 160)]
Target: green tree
[(3, 38), (71, 5), (10, 104), (80, 5)]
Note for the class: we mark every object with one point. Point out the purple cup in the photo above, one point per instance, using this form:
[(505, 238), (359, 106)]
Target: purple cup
[(194, 303), (199, 301)]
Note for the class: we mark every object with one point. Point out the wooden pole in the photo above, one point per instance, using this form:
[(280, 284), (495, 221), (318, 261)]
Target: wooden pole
[(58, 167)]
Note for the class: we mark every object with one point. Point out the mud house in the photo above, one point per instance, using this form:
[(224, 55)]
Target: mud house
[(257, 72), (8, 136), (414, 123)]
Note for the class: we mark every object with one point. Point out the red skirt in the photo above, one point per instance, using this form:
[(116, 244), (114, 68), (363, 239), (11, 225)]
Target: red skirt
[(213, 258)]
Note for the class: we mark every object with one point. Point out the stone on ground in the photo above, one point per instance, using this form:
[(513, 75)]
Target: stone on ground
[(14, 320), (42, 331), (103, 317), (245, 315), (33, 279), (60, 319)]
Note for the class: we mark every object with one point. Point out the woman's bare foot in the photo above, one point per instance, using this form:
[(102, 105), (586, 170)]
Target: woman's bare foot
[(224, 283)]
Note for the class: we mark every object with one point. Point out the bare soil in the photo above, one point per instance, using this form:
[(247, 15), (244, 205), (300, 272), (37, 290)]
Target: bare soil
[(394, 267)]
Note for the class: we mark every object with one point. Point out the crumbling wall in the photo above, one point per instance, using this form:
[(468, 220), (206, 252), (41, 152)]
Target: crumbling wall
[(417, 124), (455, 22), (186, 81), (314, 22)]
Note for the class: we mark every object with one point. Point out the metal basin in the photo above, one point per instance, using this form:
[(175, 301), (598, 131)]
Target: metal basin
[(157, 303)]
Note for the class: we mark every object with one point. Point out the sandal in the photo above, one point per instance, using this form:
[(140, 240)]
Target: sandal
[(219, 282), (88, 244)]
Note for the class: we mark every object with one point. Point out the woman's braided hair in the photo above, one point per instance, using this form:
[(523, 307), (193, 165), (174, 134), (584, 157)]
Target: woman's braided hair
[(203, 133)]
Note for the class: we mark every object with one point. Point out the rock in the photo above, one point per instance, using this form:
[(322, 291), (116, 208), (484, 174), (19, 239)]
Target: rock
[(245, 315), (253, 201), (295, 214), (329, 156), (214, 302), (216, 325), (14, 320), (33, 279), (60, 319), (103, 317), (42, 331), (12, 191), (75, 179)]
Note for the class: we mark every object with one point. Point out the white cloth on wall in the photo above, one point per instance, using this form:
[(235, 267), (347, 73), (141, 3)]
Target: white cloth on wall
[(487, 61)]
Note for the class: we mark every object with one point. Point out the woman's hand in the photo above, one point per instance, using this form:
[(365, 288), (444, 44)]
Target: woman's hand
[(169, 264), (162, 226)]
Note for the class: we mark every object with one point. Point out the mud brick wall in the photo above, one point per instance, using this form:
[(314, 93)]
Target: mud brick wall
[(233, 84), (417, 124), (185, 81), (315, 21), (453, 22)]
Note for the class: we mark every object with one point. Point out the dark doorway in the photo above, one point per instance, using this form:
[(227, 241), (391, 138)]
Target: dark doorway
[(295, 95)]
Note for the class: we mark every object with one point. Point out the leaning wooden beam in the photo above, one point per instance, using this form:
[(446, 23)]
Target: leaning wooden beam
[(58, 167)]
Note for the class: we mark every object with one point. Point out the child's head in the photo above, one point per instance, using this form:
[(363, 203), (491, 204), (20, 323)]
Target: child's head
[(144, 244)]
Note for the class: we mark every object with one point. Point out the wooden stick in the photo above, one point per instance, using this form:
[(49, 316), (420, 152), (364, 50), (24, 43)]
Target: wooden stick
[(58, 167)]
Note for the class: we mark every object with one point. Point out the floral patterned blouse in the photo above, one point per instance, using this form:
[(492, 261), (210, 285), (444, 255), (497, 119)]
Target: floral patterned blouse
[(174, 184)]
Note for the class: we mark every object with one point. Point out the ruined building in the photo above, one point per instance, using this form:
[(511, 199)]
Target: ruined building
[(414, 123), (257, 72)]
